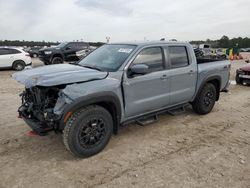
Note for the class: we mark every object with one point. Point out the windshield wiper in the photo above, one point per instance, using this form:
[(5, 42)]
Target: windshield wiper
[(91, 67)]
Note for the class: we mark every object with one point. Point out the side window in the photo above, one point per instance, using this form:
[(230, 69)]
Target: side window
[(3, 51), (82, 45), (70, 45), (151, 57), (14, 51), (178, 56)]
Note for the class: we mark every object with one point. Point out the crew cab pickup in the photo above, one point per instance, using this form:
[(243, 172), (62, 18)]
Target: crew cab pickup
[(115, 85), (66, 51)]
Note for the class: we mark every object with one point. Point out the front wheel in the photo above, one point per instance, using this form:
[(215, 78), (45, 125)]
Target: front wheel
[(205, 100), (88, 131), (57, 60)]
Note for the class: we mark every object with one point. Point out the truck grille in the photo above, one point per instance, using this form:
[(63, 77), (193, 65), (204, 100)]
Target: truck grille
[(246, 73)]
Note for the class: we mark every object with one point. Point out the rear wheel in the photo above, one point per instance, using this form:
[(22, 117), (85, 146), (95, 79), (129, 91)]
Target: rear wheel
[(18, 65), (35, 55), (57, 60), (88, 131), (205, 100)]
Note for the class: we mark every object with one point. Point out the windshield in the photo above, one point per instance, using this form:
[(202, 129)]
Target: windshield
[(108, 57), (61, 45)]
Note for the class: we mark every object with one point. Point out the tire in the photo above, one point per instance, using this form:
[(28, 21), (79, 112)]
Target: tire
[(18, 65), (35, 55), (82, 136), (238, 80), (57, 60), (205, 100)]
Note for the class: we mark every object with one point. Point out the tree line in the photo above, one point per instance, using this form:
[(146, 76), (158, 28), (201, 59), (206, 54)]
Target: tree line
[(225, 42), (37, 43)]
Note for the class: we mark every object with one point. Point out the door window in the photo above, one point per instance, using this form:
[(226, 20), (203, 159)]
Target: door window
[(70, 46), (178, 56), (151, 57), (82, 45), (4, 51)]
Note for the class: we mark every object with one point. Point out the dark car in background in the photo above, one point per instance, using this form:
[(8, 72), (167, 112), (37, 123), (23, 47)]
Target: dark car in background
[(66, 51), (33, 51)]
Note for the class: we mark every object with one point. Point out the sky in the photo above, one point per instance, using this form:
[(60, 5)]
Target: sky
[(123, 20)]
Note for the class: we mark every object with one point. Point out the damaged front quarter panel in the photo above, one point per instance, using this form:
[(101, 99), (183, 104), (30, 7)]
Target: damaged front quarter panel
[(72, 93)]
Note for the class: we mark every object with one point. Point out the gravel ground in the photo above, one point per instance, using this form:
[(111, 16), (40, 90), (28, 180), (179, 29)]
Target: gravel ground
[(185, 150)]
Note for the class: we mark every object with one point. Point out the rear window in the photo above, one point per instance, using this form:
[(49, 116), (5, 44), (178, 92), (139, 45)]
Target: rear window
[(178, 56)]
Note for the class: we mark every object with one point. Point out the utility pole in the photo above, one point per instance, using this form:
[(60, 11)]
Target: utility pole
[(107, 39)]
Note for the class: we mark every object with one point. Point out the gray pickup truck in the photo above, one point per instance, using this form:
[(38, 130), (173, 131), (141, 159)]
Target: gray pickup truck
[(115, 85)]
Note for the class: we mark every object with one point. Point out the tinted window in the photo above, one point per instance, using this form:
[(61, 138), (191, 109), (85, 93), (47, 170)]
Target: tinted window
[(82, 45), (71, 45), (3, 51), (151, 57), (6, 51), (14, 51), (178, 56)]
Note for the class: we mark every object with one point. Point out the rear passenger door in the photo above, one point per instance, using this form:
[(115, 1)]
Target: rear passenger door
[(182, 74), (6, 57), (145, 93)]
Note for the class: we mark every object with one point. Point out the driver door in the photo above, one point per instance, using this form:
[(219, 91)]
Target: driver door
[(70, 52), (149, 92)]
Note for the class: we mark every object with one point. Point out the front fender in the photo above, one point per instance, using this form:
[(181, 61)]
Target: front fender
[(106, 96)]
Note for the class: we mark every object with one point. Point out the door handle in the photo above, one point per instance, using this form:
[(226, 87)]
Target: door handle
[(191, 72), (164, 77)]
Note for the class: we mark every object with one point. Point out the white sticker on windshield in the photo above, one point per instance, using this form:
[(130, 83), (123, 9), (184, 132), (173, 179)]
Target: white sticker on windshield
[(125, 50)]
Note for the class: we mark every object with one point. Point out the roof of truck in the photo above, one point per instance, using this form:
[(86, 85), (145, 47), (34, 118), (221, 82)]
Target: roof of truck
[(146, 43)]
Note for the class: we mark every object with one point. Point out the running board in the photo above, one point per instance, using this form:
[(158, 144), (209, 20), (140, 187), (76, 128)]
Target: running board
[(153, 116), (147, 120), (177, 111)]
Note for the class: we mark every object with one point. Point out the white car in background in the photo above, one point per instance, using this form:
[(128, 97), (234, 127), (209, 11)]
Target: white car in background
[(14, 58)]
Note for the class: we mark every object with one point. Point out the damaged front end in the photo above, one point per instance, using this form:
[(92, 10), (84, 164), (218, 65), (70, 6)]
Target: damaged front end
[(44, 98), (37, 108)]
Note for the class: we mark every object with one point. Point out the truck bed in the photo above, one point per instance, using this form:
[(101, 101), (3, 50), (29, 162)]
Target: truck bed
[(214, 68)]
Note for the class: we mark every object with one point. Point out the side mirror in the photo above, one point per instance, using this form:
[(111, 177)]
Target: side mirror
[(140, 69)]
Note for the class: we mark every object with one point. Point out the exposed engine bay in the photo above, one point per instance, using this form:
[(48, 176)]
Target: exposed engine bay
[(37, 108)]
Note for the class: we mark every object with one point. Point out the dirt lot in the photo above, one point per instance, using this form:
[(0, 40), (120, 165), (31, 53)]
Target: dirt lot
[(186, 150)]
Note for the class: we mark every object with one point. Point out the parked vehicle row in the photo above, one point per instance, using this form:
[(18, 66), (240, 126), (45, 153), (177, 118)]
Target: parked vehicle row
[(115, 85), (14, 58)]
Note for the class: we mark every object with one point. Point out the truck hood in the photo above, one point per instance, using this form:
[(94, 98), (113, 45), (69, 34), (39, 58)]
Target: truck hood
[(52, 75), (246, 68)]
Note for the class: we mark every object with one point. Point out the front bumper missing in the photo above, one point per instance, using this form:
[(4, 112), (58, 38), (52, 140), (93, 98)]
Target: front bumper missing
[(37, 127)]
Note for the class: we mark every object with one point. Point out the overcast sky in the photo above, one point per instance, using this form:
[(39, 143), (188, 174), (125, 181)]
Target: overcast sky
[(123, 20)]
